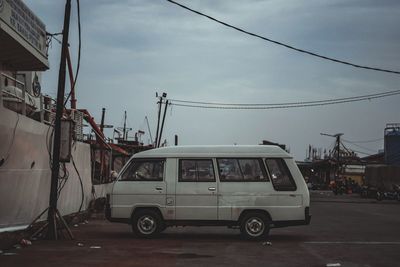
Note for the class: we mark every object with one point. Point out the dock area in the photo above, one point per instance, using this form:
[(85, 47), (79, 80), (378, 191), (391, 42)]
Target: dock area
[(345, 230)]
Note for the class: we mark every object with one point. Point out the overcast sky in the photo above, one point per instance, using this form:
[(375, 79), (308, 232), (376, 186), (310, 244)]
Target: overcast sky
[(134, 48)]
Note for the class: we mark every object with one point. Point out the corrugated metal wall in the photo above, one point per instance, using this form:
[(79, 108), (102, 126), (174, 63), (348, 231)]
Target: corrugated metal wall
[(382, 177)]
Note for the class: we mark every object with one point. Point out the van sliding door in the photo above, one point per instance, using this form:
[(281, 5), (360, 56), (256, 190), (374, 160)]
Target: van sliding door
[(196, 190)]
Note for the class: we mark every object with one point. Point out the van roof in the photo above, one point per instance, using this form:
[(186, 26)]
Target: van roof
[(215, 151)]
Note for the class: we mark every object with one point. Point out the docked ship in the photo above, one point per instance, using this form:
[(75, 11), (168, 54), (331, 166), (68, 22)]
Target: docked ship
[(26, 131)]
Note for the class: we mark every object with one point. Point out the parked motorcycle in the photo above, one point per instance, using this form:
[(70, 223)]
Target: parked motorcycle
[(389, 195)]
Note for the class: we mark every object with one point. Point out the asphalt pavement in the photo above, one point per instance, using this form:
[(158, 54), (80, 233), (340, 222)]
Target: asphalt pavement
[(345, 231)]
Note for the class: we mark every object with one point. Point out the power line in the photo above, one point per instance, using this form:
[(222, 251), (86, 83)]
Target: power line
[(362, 147), (210, 105), (365, 141), (283, 44), (387, 93)]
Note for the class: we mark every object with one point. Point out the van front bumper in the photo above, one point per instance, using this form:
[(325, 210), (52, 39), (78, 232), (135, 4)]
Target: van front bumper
[(107, 212)]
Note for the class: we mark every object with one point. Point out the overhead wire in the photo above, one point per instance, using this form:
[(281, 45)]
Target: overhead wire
[(387, 93), (283, 44), (78, 64), (362, 147), (210, 105), (81, 183), (365, 141)]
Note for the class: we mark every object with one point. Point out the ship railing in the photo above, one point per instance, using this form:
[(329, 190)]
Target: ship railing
[(48, 107), (13, 96), (19, 100)]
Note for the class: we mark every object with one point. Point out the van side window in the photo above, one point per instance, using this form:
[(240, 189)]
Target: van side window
[(196, 170), (144, 170), (282, 180), (241, 170)]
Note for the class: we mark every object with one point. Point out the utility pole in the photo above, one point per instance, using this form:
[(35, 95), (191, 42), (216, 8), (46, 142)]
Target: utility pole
[(55, 168), (337, 147), (162, 124), (160, 102)]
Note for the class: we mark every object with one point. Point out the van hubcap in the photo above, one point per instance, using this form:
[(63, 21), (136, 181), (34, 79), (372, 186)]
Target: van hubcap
[(146, 224), (255, 226)]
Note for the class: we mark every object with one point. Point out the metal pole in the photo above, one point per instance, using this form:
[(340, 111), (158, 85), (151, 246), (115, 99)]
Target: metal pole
[(55, 168), (162, 124), (123, 136), (158, 120), (103, 113), (338, 148), (103, 173), (148, 127), (338, 154)]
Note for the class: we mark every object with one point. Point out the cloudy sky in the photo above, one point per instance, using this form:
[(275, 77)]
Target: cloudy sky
[(134, 48)]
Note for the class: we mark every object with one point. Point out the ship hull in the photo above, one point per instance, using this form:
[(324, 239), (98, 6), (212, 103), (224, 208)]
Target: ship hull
[(25, 172)]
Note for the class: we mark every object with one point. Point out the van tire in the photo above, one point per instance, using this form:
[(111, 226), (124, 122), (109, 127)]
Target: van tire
[(147, 223), (254, 226)]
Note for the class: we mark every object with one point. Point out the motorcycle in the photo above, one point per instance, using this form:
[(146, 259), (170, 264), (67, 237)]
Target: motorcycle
[(389, 195)]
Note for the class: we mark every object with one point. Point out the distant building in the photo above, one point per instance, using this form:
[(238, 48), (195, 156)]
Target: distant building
[(392, 144)]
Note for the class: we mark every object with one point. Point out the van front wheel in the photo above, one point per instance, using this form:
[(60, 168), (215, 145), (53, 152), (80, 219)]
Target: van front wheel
[(254, 226), (146, 223)]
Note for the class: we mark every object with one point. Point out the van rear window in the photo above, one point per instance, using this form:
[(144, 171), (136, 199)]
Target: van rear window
[(196, 170), (241, 170), (144, 170), (281, 178)]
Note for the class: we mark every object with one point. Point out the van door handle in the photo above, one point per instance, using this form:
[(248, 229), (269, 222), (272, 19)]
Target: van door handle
[(159, 188), (211, 189), (292, 195)]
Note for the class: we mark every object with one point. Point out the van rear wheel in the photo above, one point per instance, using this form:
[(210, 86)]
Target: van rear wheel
[(147, 223), (254, 226)]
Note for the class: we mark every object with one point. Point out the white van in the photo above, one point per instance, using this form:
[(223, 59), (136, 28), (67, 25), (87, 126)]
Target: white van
[(252, 187)]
